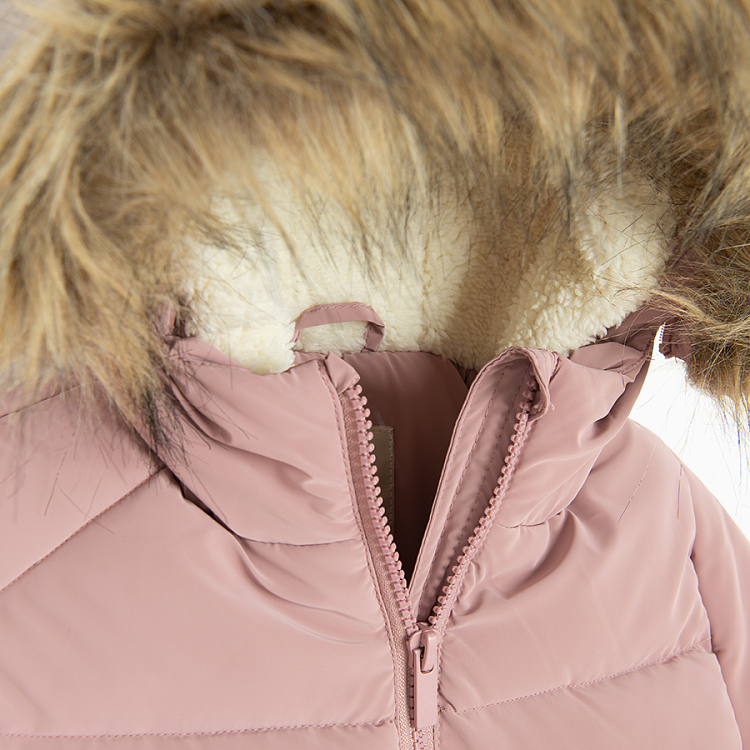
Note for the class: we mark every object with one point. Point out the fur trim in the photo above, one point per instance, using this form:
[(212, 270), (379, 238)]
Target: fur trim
[(379, 138)]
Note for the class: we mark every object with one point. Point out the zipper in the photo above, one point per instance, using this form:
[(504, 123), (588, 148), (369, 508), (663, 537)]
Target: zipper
[(423, 661), (417, 704), (442, 609), (375, 507)]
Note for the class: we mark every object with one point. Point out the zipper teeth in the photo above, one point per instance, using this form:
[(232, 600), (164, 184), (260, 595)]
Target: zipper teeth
[(375, 503), (450, 589)]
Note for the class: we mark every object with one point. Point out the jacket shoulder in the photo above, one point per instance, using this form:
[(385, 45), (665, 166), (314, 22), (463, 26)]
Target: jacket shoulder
[(60, 468)]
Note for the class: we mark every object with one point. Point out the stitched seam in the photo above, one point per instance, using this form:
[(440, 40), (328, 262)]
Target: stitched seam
[(694, 647), (295, 544), (640, 481), (639, 363), (466, 465), (192, 734), (79, 530), (43, 401)]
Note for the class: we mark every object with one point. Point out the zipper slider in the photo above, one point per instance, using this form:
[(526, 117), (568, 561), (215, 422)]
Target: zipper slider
[(423, 659)]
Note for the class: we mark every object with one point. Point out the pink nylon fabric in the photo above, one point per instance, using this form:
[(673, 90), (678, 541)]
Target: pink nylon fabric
[(224, 595)]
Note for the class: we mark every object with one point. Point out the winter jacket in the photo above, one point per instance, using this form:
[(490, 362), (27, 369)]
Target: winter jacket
[(212, 538), (576, 587)]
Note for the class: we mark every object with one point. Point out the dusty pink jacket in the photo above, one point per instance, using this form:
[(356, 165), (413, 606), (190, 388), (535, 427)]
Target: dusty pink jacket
[(242, 591)]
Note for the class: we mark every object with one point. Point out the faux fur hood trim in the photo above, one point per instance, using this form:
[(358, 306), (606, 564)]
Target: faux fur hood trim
[(479, 156)]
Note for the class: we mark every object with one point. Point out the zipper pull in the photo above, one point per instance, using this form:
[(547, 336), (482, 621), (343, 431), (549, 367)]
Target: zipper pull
[(423, 659)]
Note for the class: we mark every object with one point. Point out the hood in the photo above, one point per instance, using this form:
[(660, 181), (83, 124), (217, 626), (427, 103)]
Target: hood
[(484, 175)]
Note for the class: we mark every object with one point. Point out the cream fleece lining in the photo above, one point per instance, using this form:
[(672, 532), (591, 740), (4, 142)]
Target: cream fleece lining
[(455, 296)]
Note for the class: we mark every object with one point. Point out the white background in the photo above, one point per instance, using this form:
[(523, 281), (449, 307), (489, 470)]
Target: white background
[(689, 423)]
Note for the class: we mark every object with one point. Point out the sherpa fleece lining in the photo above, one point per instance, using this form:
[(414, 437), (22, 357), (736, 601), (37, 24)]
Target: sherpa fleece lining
[(454, 297)]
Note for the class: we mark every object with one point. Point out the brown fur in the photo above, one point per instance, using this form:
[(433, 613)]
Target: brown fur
[(121, 119)]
